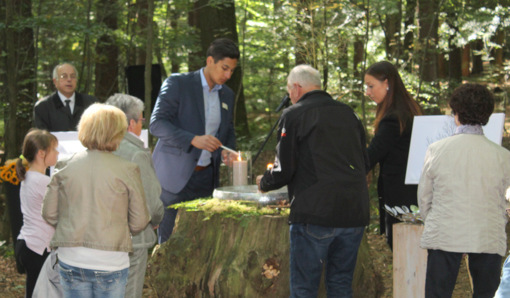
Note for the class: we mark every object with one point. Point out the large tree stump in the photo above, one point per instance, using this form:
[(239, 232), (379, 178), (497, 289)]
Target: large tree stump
[(224, 255)]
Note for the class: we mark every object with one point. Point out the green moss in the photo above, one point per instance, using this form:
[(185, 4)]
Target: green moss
[(230, 209)]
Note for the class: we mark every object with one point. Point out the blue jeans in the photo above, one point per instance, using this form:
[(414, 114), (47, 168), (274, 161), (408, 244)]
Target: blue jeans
[(504, 286), (78, 282), (311, 248), (200, 185)]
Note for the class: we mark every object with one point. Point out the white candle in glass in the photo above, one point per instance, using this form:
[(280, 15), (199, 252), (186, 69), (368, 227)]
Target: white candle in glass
[(240, 171)]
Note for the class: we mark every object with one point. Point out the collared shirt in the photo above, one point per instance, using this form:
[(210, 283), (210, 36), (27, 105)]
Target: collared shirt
[(63, 99), (212, 115)]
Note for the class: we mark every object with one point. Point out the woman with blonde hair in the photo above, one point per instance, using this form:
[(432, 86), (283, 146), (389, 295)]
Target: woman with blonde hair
[(96, 201)]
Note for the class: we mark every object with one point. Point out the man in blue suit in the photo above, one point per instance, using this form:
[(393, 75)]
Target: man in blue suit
[(192, 118)]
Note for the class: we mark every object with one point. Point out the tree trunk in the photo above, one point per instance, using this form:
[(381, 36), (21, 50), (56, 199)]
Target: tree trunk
[(498, 53), (428, 38), (248, 256), (392, 25), (148, 65), (107, 51), (410, 11), (20, 77), (466, 60), (476, 47)]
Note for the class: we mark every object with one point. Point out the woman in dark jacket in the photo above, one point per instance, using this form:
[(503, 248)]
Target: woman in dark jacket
[(390, 145)]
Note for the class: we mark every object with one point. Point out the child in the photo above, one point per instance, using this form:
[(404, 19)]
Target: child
[(39, 152)]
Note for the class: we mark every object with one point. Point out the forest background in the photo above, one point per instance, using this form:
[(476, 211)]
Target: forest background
[(436, 44)]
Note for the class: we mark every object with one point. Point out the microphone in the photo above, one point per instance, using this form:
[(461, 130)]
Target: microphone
[(284, 103)]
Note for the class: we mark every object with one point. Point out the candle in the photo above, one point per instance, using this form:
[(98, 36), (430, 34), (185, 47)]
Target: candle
[(240, 171)]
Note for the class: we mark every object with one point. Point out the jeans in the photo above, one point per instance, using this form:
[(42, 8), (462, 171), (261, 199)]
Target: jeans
[(311, 248), (79, 282), (504, 286), (443, 268), (200, 185)]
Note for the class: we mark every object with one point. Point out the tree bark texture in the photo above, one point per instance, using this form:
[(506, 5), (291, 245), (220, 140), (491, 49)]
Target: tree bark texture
[(106, 70), (428, 38), (20, 77), (218, 256), (476, 47)]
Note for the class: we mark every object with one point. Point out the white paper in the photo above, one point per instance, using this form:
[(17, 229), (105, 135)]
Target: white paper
[(430, 129), (68, 143)]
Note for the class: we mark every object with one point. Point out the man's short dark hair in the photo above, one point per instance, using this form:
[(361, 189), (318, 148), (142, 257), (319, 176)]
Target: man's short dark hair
[(222, 48), (473, 103)]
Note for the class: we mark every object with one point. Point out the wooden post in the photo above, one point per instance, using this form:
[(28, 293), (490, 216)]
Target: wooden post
[(409, 261)]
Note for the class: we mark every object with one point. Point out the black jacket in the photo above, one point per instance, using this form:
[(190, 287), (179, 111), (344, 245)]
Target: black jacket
[(50, 112), (321, 156), (390, 149)]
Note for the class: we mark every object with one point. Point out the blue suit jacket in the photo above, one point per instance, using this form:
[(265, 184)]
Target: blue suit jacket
[(179, 116)]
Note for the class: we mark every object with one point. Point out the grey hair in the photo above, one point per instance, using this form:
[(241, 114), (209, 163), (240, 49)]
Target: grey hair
[(305, 75), (130, 105), (55, 70)]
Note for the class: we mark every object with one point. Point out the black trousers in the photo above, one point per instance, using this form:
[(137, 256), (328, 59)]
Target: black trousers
[(32, 262), (443, 268)]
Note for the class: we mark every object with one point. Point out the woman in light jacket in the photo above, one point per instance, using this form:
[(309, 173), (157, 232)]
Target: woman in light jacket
[(96, 201), (461, 196)]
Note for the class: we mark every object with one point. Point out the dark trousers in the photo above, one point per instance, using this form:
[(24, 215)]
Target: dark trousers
[(443, 268), (32, 262), (200, 185)]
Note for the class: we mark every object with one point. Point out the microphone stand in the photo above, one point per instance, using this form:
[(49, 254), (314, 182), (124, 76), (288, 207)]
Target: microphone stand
[(283, 104), (265, 141)]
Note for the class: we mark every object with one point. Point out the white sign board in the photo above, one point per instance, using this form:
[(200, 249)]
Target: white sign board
[(68, 143), (429, 129)]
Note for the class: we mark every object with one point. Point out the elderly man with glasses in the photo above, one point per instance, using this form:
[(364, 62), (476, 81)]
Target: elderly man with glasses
[(62, 110)]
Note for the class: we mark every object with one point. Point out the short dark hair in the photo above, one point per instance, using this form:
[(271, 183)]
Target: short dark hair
[(473, 103), (222, 48)]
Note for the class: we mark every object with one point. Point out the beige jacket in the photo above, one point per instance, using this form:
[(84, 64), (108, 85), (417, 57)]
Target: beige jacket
[(132, 149), (461, 195), (95, 201)]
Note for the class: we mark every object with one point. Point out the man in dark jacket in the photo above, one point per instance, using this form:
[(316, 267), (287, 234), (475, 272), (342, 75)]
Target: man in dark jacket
[(321, 156), (62, 110)]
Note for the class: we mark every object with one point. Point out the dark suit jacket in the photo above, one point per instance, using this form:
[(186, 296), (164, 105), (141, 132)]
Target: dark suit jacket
[(390, 149), (51, 114), (177, 118)]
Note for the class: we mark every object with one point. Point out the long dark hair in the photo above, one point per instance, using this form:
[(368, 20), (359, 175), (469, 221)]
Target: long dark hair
[(35, 140), (397, 100)]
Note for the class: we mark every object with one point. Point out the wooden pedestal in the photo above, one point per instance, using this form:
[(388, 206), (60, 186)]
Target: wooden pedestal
[(409, 261)]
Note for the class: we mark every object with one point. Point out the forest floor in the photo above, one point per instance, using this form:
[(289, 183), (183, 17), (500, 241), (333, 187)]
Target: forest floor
[(12, 284)]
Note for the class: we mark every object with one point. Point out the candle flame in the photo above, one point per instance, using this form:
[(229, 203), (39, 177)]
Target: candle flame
[(239, 156), (269, 166)]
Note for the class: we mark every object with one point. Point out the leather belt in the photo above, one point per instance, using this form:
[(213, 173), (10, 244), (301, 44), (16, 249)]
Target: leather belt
[(201, 168)]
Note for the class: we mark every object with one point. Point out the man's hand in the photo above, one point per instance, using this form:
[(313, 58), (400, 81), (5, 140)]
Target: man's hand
[(228, 157), (206, 142), (259, 177)]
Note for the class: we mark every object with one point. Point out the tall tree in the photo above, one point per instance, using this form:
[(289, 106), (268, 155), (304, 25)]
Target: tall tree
[(428, 38), (107, 51), (20, 79)]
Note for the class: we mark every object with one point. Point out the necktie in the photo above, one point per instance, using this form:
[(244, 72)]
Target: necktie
[(68, 107)]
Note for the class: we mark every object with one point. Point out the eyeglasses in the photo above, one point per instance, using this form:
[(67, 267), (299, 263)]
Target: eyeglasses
[(142, 119), (65, 76)]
